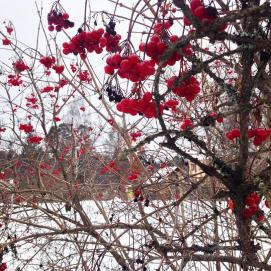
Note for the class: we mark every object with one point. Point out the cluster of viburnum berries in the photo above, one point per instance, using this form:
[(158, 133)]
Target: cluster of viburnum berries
[(156, 48), (259, 135), (91, 41), (3, 267), (145, 106), (20, 66), (111, 166), (111, 42), (14, 80), (216, 116), (34, 139), (58, 69), (188, 88), (206, 15), (6, 41), (85, 42), (138, 195), (57, 20), (48, 61), (186, 124), (160, 27), (252, 208), (130, 67), (27, 128), (135, 135)]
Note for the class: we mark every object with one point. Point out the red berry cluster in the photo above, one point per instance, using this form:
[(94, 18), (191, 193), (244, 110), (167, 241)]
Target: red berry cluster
[(135, 135), (85, 42), (47, 89), (56, 119), (6, 41), (138, 195), (14, 80), (61, 84), (9, 29), (133, 176), (73, 68), (205, 14), (27, 128), (260, 135), (161, 27), (58, 19), (111, 42), (111, 166), (252, 208), (216, 117), (84, 76), (188, 89), (172, 104), (130, 67), (47, 61), (20, 66), (144, 106), (58, 69), (3, 267), (235, 133), (34, 139), (156, 47), (186, 124), (32, 102)]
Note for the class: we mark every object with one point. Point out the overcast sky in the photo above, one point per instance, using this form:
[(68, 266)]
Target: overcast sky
[(23, 13)]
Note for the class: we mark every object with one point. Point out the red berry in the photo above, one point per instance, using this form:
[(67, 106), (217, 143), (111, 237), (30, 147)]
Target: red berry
[(116, 59), (51, 28), (235, 133), (186, 124), (142, 46), (65, 16), (108, 69), (137, 192), (223, 27), (261, 217), (161, 47), (125, 65), (249, 201), (201, 12), (155, 38), (194, 4), (247, 213), (58, 28), (186, 21), (133, 59), (254, 208), (147, 96), (103, 41)]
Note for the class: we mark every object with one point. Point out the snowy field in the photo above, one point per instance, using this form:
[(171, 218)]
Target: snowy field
[(48, 247)]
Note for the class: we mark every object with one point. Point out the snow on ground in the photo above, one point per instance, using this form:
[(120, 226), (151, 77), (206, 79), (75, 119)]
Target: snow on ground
[(65, 249)]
